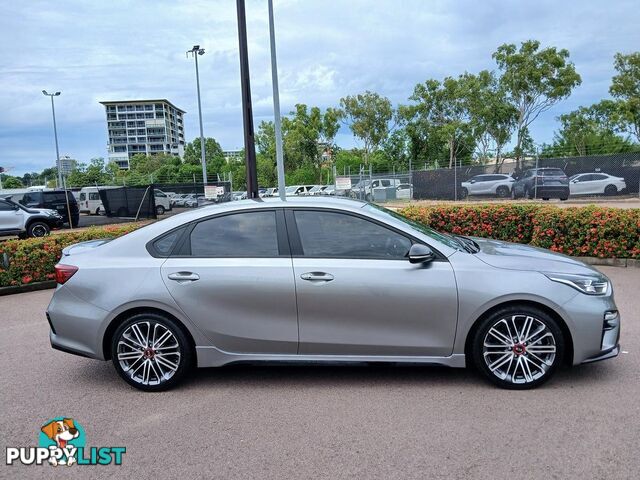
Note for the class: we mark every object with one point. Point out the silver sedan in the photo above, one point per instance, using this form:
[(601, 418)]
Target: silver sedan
[(325, 280)]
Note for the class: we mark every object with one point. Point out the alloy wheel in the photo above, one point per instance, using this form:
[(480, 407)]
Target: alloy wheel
[(148, 353), (39, 230), (519, 349)]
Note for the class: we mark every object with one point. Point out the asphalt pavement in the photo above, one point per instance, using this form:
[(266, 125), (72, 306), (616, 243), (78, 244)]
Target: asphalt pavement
[(333, 422)]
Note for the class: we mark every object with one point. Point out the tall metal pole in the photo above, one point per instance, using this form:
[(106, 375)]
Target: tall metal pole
[(196, 50), (247, 113), (276, 106), (55, 134)]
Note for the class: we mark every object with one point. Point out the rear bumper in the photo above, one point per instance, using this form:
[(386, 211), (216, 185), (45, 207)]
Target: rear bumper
[(552, 191), (78, 325)]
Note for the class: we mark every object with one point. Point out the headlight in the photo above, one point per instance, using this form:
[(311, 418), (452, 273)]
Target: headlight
[(594, 284)]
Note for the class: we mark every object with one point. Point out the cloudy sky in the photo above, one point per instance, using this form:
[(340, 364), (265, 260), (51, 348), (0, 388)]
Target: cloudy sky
[(126, 49)]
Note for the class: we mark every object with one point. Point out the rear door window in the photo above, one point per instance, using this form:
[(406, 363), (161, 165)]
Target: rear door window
[(246, 234)]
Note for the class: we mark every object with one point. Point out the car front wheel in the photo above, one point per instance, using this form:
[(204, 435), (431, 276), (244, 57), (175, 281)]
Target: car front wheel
[(159, 210), (38, 229), (151, 352), (518, 347)]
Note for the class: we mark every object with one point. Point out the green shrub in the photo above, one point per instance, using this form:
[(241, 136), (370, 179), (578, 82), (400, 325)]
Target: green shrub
[(580, 231), (33, 259)]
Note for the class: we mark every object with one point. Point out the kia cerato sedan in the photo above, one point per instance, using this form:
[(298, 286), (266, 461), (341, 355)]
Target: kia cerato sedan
[(325, 280)]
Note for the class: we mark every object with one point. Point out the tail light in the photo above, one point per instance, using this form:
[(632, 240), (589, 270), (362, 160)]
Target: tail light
[(64, 272)]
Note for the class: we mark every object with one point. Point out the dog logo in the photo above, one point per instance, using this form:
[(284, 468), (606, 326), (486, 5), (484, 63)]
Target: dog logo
[(62, 432), (62, 441)]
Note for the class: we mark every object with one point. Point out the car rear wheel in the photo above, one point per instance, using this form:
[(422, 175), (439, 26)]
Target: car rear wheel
[(502, 191), (151, 352), (610, 190), (38, 229), (518, 347), (464, 193)]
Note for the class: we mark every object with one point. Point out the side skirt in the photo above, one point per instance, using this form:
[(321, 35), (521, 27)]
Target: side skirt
[(213, 357)]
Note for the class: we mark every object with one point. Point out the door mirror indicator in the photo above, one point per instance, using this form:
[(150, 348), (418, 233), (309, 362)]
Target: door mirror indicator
[(419, 253)]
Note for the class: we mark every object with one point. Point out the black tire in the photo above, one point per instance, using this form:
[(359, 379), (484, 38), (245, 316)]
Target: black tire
[(184, 360), (502, 191), (159, 210), (564, 199), (464, 192), (518, 314), (38, 229), (98, 211), (546, 199), (610, 190)]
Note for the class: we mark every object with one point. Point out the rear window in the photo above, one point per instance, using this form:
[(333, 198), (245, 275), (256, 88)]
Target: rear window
[(164, 245), (58, 197), (552, 172)]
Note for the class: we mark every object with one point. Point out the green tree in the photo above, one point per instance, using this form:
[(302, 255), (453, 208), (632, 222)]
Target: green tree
[(212, 152), (368, 115), (625, 88), (492, 117), (440, 114), (11, 182), (588, 131), (535, 80)]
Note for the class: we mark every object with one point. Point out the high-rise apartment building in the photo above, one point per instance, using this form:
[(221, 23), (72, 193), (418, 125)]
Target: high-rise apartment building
[(149, 127)]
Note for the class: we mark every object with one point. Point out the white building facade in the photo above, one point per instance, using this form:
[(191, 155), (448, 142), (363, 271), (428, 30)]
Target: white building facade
[(148, 127)]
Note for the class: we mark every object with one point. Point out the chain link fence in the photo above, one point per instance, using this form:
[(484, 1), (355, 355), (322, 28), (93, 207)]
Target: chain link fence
[(596, 177)]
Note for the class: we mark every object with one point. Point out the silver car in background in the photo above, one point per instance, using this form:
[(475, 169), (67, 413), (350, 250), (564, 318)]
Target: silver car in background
[(325, 280)]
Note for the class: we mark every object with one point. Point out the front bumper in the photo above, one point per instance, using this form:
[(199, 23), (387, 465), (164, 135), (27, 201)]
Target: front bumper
[(609, 353)]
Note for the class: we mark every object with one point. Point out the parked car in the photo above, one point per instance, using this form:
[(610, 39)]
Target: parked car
[(330, 190), (497, 184), (298, 190), (363, 190), (15, 219), (162, 201), (191, 200), (274, 281), (54, 200), (542, 183), (596, 184), (404, 191), (239, 195), (270, 192), (317, 190), (179, 200)]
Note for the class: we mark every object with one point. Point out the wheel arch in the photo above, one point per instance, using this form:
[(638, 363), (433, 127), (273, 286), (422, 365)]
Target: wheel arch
[(124, 315), (566, 333)]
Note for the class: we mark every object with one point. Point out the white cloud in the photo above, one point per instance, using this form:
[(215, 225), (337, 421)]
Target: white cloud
[(94, 51)]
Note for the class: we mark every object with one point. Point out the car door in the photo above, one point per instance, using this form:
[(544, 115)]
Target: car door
[(11, 218), (232, 276), (357, 293), (582, 186)]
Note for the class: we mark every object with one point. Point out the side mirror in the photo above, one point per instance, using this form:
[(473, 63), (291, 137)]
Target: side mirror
[(419, 253), (472, 181)]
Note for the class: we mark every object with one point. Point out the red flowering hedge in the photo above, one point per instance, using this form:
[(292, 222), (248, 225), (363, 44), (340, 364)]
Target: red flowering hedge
[(33, 259), (580, 231)]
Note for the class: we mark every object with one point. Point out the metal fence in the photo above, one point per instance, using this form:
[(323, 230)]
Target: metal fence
[(596, 177)]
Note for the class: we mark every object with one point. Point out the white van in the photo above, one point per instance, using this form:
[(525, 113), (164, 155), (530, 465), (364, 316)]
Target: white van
[(89, 201)]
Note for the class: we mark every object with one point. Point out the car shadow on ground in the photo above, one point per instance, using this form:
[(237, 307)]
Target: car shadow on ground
[(376, 375)]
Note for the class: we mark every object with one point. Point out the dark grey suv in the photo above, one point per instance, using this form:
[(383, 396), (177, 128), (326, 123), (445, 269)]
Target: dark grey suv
[(542, 183)]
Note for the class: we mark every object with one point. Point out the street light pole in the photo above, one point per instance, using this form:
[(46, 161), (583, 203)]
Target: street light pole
[(276, 106), (195, 51), (55, 134)]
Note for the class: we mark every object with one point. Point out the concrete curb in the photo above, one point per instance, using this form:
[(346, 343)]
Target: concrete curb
[(611, 262), (31, 287)]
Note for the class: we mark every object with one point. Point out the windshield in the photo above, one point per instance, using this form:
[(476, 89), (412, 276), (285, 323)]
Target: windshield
[(445, 238), (291, 189)]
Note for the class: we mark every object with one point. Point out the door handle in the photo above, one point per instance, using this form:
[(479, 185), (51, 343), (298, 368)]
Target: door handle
[(317, 277), (183, 277)]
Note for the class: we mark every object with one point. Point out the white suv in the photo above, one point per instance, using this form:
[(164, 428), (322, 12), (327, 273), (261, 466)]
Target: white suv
[(16, 219), (488, 184)]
